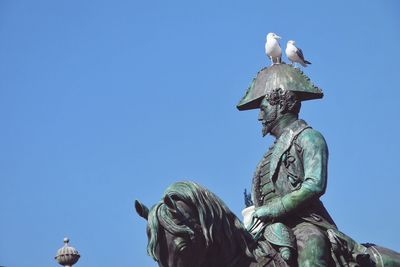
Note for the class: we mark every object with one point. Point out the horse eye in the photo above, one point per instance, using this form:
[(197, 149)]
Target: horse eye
[(181, 247), (180, 244)]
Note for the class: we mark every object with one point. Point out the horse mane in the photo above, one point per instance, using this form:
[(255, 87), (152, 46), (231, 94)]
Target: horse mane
[(219, 225)]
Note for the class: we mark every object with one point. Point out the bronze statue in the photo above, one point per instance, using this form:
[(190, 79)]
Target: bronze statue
[(192, 227), (289, 226), (293, 173)]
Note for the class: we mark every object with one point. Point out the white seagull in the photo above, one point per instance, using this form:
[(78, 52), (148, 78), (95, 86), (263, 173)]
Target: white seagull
[(295, 54), (272, 48)]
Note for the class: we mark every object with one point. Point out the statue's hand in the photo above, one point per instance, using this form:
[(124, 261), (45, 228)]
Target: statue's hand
[(263, 213), (254, 222), (272, 210)]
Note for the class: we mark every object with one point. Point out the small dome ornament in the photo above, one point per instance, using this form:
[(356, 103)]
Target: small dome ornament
[(67, 256)]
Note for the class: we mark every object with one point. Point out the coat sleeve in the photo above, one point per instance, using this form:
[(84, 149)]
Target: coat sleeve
[(315, 162)]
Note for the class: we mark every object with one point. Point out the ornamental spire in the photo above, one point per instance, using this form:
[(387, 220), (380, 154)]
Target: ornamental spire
[(67, 255)]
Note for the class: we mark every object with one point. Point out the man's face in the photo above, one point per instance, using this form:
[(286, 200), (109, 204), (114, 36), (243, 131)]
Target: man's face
[(268, 115)]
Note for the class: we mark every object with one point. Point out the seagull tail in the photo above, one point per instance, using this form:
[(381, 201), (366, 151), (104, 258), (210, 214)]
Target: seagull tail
[(307, 62), (303, 63)]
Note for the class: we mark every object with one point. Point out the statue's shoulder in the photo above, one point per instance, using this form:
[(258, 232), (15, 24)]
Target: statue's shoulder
[(310, 137)]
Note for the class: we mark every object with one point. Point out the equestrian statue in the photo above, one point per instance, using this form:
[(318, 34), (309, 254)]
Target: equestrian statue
[(285, 223)]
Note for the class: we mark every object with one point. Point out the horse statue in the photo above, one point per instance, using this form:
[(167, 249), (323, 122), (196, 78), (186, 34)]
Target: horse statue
[(192, 227)]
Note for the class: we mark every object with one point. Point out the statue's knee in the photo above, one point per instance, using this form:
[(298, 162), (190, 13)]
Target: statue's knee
[(317, 242), (319, 238), (309, 234), (313, 248)]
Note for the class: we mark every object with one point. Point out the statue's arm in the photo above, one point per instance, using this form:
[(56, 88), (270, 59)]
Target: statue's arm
[(315, 159), (315, 162)]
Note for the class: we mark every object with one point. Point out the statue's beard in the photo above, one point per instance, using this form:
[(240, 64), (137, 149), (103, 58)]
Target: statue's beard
[(267, 127), (270, 122)]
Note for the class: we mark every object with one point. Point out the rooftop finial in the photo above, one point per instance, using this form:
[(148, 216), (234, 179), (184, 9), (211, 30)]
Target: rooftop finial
[(67, 256)]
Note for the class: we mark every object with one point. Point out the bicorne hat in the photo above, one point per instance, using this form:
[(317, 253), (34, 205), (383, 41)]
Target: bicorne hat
[(281, 76)]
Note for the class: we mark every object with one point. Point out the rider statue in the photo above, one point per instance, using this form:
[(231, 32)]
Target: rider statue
[(287, 224), (292, 175)]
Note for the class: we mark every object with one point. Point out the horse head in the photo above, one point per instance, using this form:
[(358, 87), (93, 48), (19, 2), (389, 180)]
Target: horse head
[(191, 226)]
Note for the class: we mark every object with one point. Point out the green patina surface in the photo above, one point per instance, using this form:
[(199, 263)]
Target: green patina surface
[(282, 76), (288, 217)]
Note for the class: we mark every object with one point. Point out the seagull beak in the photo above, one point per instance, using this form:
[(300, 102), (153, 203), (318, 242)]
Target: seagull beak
[(277, 37)]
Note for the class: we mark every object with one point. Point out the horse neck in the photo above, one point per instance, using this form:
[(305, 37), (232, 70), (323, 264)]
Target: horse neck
[(223, 257), (230, 255)]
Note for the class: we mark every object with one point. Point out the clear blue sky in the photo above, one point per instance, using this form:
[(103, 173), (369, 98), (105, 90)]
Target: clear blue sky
[(104, 102)]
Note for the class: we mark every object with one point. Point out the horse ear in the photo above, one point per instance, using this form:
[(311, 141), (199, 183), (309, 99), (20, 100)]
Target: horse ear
[(141, 209), (170, 203)]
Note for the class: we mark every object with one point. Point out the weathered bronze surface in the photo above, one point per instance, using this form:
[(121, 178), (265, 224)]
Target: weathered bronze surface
[(192, 227), (289, 225), (276, 76)]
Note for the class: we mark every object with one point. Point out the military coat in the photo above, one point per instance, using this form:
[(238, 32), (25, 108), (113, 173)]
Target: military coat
[(294, 170)]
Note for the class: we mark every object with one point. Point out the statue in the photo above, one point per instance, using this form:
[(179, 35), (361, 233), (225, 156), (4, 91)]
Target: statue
[(293, 173), (288, 224), (192, 227)]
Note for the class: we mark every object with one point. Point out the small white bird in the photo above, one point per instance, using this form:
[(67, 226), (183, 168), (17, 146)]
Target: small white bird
[(272, 48), (295, 54)]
